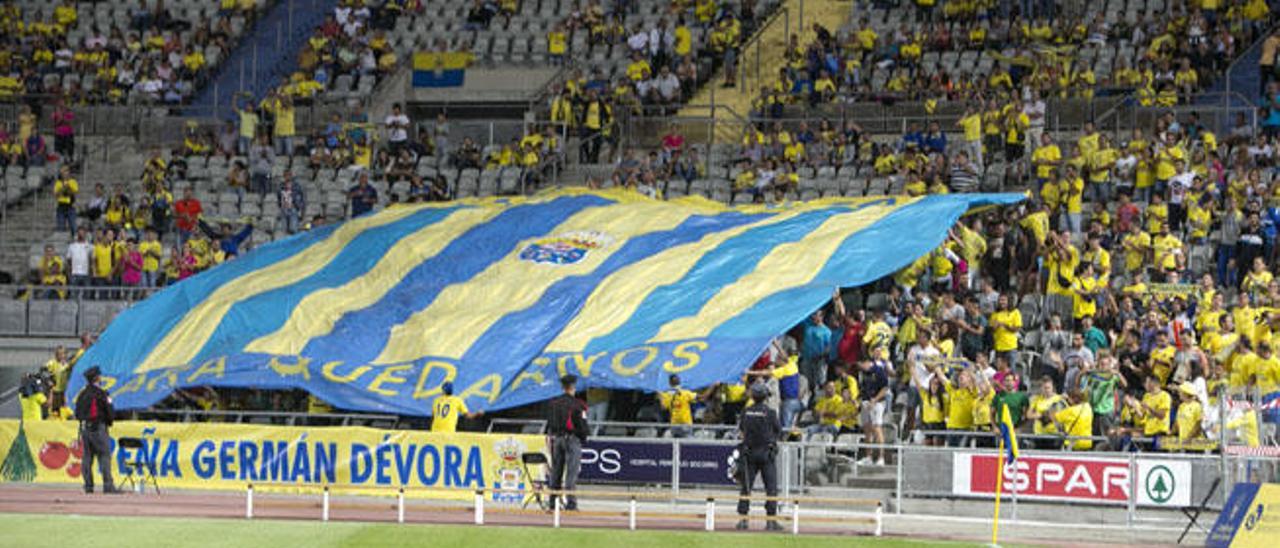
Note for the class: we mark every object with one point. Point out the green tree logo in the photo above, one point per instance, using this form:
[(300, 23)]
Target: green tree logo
[(1160, 484)]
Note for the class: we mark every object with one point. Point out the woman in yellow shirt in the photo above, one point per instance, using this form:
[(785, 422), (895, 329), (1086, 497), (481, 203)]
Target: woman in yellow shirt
[(1256, 281), (932, 404), (960, 400)]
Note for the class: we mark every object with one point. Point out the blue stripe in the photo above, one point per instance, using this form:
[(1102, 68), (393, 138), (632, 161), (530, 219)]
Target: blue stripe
[(264, 313), (360, 336), (719, 267), (137, 330), (865, 256), (544, 320)]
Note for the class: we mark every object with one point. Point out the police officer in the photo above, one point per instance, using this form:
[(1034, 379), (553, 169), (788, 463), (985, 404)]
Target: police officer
[(760, 430), (93, 409), (567, 423)]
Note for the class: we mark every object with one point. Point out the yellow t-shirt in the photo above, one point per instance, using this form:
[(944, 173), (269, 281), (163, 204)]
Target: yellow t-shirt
[(1044, 407), (59, 371), (972, 125), (1152, 424), (33, 407), (445, 411), (829, 409), (151, 253), (1189, 415), (679, 403), (932, 408), (1078, 421), (1136, 247), (959, 406), (1050, 153), (982, 410), (1006, 339), (103, 262)]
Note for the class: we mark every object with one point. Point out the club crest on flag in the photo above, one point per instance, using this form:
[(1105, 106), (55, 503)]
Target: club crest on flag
[(567, 248)]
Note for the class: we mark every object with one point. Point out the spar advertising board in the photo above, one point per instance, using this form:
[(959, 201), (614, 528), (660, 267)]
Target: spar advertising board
[(1159, 482)]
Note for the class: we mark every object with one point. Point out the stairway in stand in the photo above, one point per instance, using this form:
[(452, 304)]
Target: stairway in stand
[(831, 14)]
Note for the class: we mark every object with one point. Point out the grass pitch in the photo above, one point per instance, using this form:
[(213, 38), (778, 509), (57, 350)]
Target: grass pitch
[(39, 530)]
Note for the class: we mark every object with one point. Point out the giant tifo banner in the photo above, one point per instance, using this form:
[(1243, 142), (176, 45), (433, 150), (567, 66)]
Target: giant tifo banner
[(503, 296), (231, 456), (1251, 518), (1159, 482)]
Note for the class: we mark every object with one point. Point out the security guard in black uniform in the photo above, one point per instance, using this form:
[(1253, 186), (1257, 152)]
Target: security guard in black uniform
[(93, 409), (760, 430), (567, 424)]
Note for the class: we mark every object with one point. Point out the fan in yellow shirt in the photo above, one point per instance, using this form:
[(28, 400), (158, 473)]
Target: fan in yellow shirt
[(828, 410), (1076, 421), (446, 409), (960, 398), (1044, 406), (1151, 413), (678, 403)]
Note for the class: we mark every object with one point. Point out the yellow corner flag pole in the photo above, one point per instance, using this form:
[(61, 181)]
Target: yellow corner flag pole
[(995, 521)]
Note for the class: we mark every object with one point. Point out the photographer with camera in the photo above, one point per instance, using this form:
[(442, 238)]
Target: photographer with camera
[(32, 397)]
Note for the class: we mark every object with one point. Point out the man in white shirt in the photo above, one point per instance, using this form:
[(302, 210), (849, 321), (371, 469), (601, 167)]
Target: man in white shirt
[(638, 41), (79, 254), (397, 129), (668, 86), (1178, 186), (1035, 111)]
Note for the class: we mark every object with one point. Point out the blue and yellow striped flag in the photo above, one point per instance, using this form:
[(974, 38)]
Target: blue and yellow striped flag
[(503, 296)]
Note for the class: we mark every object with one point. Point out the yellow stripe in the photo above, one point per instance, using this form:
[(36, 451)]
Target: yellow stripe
[(787, 265), (190, 334), (617, 297), (472, 307), (317, 313)]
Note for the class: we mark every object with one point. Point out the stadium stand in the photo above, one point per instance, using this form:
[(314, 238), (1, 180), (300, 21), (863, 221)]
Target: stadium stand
[(116, 51), (1131, 293)]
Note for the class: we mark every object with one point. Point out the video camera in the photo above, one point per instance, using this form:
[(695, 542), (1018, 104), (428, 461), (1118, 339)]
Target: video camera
[(34, 383)]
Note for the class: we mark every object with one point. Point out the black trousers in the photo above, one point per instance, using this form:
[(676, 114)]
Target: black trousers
[(566, 462), (96, 443), (759, 462)]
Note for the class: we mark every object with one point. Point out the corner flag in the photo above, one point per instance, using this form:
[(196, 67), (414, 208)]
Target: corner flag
[(1009, 434)]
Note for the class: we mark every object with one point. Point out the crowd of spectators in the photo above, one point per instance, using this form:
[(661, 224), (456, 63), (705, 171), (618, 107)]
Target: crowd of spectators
[(1164, 57), (1020, 308), (156, 57)]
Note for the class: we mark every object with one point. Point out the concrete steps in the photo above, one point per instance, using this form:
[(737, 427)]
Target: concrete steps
[(831, 14)]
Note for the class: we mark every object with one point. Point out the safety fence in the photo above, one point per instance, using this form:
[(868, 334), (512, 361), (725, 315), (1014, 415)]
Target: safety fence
[(837, 512)]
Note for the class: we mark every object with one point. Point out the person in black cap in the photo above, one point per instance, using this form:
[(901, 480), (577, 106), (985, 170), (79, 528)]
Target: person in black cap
[(760, 430), (93, 410), (567, 424)]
